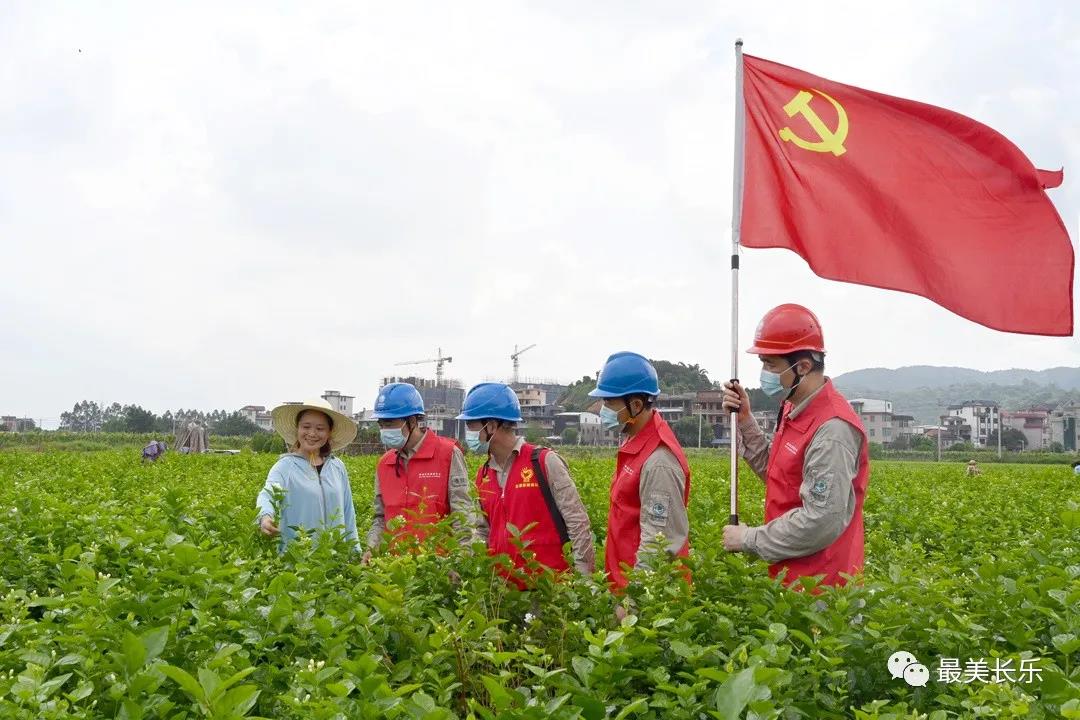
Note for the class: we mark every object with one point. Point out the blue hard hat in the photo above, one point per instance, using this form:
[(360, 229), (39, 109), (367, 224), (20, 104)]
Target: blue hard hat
[(626, 373), (398, 400), (491, 400)]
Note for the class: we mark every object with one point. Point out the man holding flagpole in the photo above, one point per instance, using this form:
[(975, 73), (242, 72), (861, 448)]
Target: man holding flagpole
[(817, 467), (884, 192)]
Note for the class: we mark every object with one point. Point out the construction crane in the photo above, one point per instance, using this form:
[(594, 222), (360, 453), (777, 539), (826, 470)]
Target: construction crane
[(438, 360), (516, 355)]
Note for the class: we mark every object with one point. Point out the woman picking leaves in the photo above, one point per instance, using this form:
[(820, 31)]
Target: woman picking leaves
[(308, 487)]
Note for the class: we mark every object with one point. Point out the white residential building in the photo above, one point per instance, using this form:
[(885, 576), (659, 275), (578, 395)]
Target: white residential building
[(342, 403), (531, 396), (877, 418), (903, 425), (590, 431), (258, 415), (1034, 424), (982, 415), (1065, 426)]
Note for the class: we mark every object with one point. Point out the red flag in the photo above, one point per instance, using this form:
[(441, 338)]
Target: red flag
[(896, 194)]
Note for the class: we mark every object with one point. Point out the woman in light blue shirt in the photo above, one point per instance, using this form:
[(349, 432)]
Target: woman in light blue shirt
[(312, 484)]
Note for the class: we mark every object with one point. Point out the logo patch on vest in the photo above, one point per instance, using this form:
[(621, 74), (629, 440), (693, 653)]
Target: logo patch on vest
[(790, 447), (527, 479)]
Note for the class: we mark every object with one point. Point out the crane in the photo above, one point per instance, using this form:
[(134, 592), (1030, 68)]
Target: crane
[(438, 360), (516, 355)]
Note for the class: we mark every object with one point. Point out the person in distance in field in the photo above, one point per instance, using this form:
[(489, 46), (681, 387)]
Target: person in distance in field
[(817, 467), (521, 485), (421, 478), (973, 469), (650, 491), (314, 484)]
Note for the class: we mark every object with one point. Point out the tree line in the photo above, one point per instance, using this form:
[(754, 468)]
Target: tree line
[(88, 416)]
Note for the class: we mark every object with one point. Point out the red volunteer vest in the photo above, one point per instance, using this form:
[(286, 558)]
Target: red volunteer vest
[(785, 476), (519, 503), (624, 512), (421, 492)]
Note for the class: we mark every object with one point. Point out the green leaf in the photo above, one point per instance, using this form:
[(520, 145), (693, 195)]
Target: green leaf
[(82, 692), (233, 679), (681, 649), (583, 668), (638, 706), (338, 689), (50, 686), (1067, 643), (735, 694), (713, 674), (134, 653), (238, 701), (182, 678), (778, 631), (209, 681), (591, 708), (613, 637), (154, 642), (499, 697)]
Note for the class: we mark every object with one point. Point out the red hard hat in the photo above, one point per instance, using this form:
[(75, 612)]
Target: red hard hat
[(786, 329)]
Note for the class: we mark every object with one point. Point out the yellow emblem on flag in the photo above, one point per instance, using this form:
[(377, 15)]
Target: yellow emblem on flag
[(830, 140)]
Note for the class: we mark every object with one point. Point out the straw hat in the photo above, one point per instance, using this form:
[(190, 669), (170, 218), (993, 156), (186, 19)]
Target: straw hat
[(284, 417)]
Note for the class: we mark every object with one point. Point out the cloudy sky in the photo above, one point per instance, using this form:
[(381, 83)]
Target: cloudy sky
[(210, 205)]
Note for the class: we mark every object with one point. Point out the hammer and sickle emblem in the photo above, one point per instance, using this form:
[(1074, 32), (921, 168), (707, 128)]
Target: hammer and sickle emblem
[(831, 141)]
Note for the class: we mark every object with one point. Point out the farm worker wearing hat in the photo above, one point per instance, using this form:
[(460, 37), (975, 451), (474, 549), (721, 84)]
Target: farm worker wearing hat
[(817, 467), (315, 483), (422, 478), (651, 488), (522, 485)]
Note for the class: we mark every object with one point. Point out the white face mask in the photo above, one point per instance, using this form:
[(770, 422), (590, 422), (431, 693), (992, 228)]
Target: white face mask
[(610, 418), (474, 443), (392, 438), (770, 381)]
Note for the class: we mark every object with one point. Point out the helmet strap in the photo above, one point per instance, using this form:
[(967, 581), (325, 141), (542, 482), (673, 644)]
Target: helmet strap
[(791, 392)]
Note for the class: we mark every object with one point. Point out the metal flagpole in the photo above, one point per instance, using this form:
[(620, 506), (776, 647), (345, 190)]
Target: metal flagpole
[(736, 221)]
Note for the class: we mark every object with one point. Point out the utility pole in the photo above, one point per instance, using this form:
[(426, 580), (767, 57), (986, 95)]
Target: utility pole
[(939, 440)]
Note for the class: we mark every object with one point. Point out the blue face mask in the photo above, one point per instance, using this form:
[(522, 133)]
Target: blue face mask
[(610, 419), (475, 444), (392, 438), (770, 382)]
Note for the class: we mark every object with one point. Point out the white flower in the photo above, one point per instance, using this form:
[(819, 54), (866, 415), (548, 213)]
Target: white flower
[(529, 617)]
